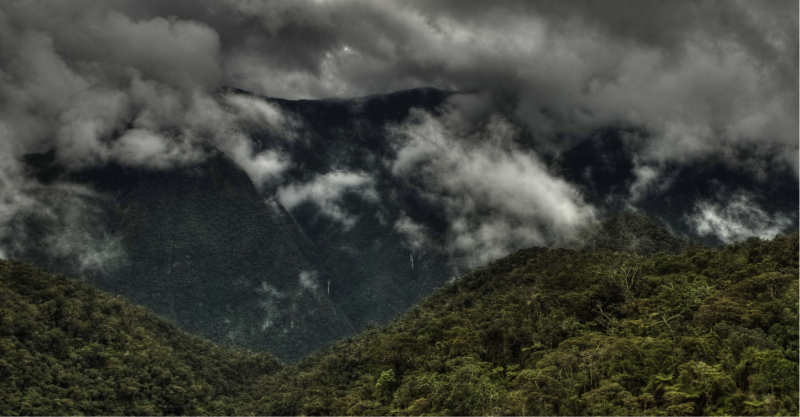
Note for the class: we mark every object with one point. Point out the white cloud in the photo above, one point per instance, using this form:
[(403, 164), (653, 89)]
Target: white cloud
[(261, 167), (326, 192), (649, 179), (121, 82), (105, 88), (271, 305), (259, 114), (65, 222), (143, 148), (697, 77), (108, 88), (415, 234), (497, 196), (308, 280), (736, 219)]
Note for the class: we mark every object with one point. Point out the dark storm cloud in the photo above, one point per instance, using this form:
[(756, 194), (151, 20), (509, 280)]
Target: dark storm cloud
[(97, 86), (132, 81), (697, 75)]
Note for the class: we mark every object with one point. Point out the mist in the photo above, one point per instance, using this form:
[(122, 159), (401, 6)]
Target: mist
[(138, 84)]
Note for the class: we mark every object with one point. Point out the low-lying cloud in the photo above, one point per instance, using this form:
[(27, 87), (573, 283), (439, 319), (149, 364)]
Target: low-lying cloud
[(497, 196), (97, 87), (736, 219), (64, 225), (697, 76), (327, 191), (137, 82), (309, 280)]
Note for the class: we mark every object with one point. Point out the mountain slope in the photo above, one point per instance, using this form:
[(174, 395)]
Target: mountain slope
[(203, 248), (207, 251), (566, 332), (542, 331), (605, 165), (67, 348), (369, 262), (633, 232), (341, 241)]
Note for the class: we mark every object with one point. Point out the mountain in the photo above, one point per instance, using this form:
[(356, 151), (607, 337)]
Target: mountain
[(604, 165), (202, 249), (634, 232), (67, 348), (326, 252), (561, 332), (541, 331)]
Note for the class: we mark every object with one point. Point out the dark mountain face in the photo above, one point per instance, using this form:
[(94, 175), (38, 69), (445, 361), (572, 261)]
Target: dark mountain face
[(202, 248), (370, 271), (261, 266), (744, 187)]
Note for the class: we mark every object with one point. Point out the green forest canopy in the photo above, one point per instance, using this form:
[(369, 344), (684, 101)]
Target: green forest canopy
[(542, 331)]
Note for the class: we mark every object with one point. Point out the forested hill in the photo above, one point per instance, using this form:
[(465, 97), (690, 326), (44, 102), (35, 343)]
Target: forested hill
[(559, 332), (542, 331), (67, 348)]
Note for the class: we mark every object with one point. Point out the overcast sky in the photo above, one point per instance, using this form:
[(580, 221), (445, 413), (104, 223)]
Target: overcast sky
[(694, 73), (697, 76)]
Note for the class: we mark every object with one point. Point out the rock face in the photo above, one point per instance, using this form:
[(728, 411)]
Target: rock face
[(220, 257)]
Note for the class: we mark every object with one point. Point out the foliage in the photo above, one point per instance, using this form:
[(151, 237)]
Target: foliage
[(67, 348), (542, 331), (592, 332), (634, 232)]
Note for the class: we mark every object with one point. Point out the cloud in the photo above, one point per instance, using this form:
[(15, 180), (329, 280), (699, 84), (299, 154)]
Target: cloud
[(270, 303), (696, 76), (736, 219), (261, 167), (498, 197), (256, 114), (107, 43), (63, 223), (143, 148), (327, 191), (269, 291), (650, 178), (416, 234), (308, 280), (74, 90), (98, 87), (134, 82)]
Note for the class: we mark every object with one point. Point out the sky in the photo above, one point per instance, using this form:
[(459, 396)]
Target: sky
[(133, 82)]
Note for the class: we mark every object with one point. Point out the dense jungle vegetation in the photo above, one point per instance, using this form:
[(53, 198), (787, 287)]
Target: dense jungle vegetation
[(67, 348), (542, 331)]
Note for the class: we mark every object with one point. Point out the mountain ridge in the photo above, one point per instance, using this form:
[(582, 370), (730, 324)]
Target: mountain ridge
[(342, 253), (554, 331)]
